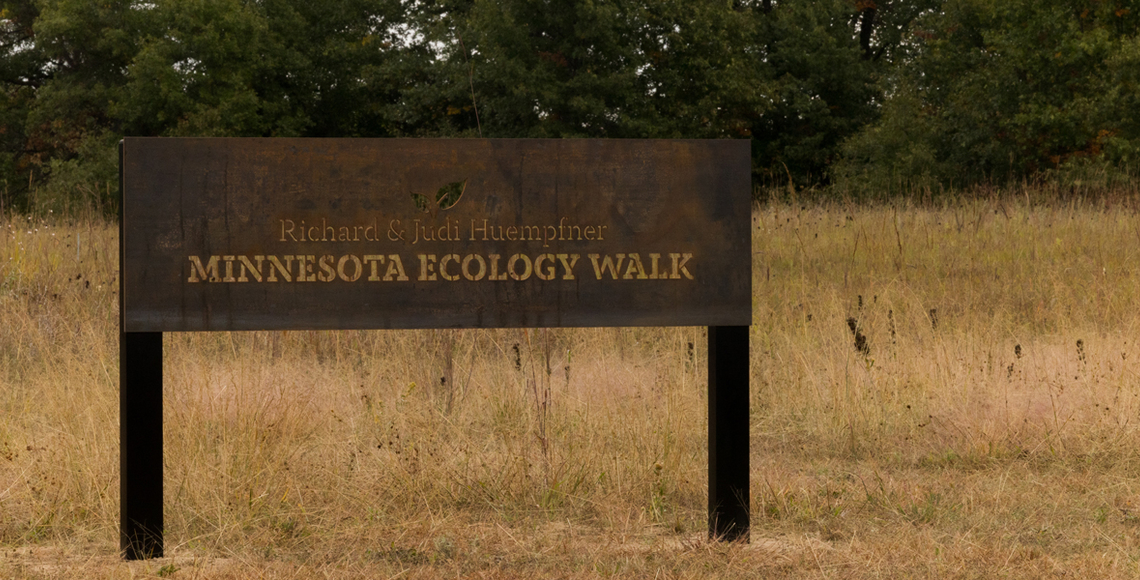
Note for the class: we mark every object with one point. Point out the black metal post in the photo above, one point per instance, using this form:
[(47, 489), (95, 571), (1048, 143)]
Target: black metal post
[(729, 498), (140, 445)]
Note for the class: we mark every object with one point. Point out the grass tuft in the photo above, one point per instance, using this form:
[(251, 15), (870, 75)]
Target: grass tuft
[(918, 410)]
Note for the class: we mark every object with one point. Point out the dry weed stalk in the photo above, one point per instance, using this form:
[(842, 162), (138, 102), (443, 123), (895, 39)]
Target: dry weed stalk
[(982, 445)]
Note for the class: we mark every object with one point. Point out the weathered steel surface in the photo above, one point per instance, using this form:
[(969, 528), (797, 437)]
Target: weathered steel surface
[(245, 234)]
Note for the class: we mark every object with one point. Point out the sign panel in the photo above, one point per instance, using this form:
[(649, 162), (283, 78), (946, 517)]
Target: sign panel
[(268, 234)]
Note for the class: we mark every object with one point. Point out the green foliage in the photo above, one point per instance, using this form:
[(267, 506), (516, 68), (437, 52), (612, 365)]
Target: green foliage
[(86, 181), (707, 77), (78, 75), (566, 69), (791, 76), (275, 68), (883, 92), (527, 68), (21, 70), (1002, 91), (820, 88)]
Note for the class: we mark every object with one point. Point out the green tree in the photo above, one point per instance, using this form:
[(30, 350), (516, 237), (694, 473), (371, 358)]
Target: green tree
[(796, 77), (62, 60), (529, 68), (1006, 90), (77, 75), (21, 72), (706, 75), (821, 87), (273, 68)]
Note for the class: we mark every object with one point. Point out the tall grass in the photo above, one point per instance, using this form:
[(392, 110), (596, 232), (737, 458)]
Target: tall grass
[(939, 390), (989, 325)]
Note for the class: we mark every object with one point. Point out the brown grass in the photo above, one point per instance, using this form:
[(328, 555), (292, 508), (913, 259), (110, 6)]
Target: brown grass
[(968, 437)]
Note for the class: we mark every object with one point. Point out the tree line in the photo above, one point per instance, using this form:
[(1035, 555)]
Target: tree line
[(870, 93)]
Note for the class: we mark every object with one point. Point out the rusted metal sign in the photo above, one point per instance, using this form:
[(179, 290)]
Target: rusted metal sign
[(261, 234), (273, 234)]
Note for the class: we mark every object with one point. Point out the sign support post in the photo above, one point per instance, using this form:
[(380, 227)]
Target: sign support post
[(140, 445), (729, 500)]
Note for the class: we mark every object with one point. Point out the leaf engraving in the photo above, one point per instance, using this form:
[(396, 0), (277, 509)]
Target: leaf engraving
[(445, 198)]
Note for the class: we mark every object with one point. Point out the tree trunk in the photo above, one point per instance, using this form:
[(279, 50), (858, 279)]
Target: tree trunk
[(866, 27)]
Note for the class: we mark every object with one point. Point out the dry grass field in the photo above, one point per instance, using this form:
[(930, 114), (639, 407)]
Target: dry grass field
[(939, 391)]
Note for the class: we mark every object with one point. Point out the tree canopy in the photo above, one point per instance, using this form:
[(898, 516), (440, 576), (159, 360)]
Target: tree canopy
[(935, 90), (1006, 90)]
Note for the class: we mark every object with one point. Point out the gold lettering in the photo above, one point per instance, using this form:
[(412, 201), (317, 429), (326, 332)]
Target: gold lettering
[(568, 266), (305, 268), (443, 267), (374, 261), (198, 273), (229, 277), (395, 268), (527, 269), (327, 274), (634, 269), (246, 265), (443, 233), (531, 233), (449, 267), (427, 267), (393, 233), (275, 266), (343, 234), (287, 231), (327, 231), (477, 229), (679, 261), (546, 233), (653, 266), (357, 269), (428, 234), (607, 265), (466, 267), (548, 272), (495, 275)]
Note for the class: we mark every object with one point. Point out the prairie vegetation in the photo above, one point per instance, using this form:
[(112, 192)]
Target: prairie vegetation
[(939, 391)]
